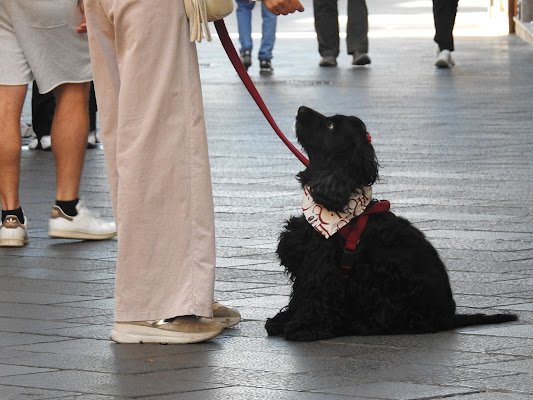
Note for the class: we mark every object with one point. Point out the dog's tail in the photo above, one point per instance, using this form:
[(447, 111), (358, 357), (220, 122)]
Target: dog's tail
[(462, 320)]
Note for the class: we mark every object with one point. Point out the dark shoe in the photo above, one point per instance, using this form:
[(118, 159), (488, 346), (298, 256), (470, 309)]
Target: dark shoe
[(246, 58), (360, 59), (328, 61), (265, 67)]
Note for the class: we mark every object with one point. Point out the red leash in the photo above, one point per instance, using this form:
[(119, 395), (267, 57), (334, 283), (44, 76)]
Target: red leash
[(241, 71)]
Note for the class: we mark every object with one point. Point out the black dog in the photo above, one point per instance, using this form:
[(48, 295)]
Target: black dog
[(393, 282)]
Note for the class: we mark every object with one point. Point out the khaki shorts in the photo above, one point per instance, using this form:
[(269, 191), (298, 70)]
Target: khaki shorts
[(38, 40)]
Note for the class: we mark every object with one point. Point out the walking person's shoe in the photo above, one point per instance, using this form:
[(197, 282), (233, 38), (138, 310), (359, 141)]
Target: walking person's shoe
[(444, 59), (265, 67), (246, 58), (360, 58), (84, 226), (225, 316), (44, 143), (91, 140), (328, 61), (13, 233), (179, 330)]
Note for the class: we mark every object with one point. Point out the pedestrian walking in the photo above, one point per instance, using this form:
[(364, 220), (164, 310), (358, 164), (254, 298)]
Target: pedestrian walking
[(38, 40), (327, 30), (268, 29), (444, 13)]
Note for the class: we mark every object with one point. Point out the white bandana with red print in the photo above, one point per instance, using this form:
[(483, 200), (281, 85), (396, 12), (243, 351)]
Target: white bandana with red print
[(328, 222)]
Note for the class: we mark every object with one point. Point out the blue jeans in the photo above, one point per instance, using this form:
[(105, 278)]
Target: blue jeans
[(244, 21)]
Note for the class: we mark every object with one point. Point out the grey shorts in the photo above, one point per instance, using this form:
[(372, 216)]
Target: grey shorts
[(38, 40)]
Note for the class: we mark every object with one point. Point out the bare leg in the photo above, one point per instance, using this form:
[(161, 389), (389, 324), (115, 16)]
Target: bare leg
[(70, 129), (11, 102)]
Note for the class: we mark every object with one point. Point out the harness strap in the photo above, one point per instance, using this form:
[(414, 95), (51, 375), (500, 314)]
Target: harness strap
[(352, 232)]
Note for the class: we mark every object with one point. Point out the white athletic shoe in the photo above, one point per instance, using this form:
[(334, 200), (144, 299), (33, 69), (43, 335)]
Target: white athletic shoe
[(91, 140), (179, 330), (13, 233), (444, 59), (26, 130), (85, 225)]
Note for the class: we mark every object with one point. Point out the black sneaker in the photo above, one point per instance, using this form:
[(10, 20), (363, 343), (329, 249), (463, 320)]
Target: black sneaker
[(265, 67), (246, 58)]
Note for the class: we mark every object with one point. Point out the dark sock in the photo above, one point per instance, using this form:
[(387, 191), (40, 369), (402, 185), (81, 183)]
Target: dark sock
[(68, 207), (18, 213)]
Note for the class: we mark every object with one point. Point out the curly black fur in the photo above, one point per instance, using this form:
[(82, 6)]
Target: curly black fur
[(398, 283)]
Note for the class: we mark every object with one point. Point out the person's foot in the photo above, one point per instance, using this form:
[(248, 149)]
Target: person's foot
[(225, 316), (26, 130), (444, 59), (91, 140), (246, 58), (179, 330), (360, 59), (84, 226), (44, 143), (13, 233), (328, 61), (265, 67)]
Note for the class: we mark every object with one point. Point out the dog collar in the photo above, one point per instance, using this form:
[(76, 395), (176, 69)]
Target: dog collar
[(328, 222)]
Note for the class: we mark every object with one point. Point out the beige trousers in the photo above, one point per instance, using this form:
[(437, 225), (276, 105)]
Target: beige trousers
[(149, 96)]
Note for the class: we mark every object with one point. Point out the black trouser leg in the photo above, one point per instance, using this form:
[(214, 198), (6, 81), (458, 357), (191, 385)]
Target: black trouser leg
[(42, 111), (92, 109), (357, 28), (444, 12), (327, 27)]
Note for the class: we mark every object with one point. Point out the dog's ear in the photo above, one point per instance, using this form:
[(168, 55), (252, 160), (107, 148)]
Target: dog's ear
[(331, 188), (332, 180)]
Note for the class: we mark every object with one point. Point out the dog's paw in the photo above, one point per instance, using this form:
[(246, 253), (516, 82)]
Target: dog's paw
[(273, 328)]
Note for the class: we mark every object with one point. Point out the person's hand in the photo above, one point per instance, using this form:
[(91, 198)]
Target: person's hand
[(82, 28), (284, 7)]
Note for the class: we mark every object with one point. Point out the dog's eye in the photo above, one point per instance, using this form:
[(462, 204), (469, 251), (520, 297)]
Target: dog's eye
[(331, 126)]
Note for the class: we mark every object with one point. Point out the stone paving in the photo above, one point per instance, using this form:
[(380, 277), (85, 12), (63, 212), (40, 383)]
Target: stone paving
[(456, 150)]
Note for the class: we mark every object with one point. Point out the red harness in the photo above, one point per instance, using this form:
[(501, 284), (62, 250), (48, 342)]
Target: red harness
[(352, 232)]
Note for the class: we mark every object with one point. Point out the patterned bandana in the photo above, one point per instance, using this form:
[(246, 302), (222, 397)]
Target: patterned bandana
[(328, 222)]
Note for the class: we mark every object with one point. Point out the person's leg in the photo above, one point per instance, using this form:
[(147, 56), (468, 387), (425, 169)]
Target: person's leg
[(327, 27), (268, 30), (444, 12), (156, 147), (70, 128), (11, 102), (357, 27), (244, 23)]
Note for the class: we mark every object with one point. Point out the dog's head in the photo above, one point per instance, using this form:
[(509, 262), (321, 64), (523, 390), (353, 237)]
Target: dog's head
[(341, 157)]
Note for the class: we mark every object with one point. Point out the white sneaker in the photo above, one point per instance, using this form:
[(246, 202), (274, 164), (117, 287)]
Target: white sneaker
[(26, 130), (91, 140), (444, 59), (85, 225), (33, 144), (179, 330), (46, 142), (13, 233)]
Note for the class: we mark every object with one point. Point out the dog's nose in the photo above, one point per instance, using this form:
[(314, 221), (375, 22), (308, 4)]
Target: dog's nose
[(302, 110)]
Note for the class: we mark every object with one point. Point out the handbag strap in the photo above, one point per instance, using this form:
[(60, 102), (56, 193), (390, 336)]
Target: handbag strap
[(241, 71)]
